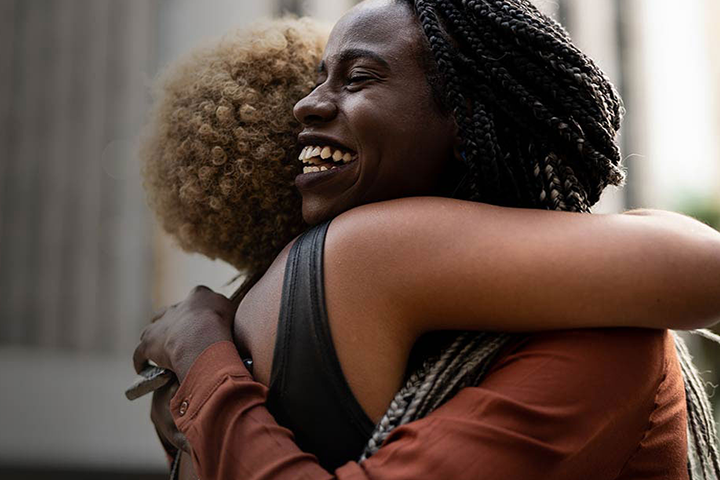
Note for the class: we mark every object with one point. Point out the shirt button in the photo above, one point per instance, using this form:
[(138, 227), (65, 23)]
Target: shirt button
[(183, 407)]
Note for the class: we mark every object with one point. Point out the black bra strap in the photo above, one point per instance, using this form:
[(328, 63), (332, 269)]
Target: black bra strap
[(308, 391)]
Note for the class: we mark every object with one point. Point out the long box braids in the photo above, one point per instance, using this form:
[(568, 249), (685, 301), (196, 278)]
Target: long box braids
[(538, 122)]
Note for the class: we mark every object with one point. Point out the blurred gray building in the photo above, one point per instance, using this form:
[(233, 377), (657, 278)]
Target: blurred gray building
[(81, 261)]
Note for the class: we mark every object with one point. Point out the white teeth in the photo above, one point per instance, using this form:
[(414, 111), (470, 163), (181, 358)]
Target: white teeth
[(313, 169), (315, 155)]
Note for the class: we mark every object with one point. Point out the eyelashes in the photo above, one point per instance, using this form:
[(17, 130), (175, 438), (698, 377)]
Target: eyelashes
[(358, 79), (352, 80)]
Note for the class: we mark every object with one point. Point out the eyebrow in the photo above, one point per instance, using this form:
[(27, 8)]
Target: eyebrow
[(353, 54)]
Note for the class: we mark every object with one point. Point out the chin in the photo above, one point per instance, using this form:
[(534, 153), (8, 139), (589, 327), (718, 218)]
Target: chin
[(316, 210)]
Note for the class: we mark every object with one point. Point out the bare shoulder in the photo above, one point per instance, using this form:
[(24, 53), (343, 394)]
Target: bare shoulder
[(444, 264), (406, 215), (255, 324), (428, 258)]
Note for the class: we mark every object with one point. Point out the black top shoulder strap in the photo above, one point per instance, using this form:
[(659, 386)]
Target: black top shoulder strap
[(308, 391)]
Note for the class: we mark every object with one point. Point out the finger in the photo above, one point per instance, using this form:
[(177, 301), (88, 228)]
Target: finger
[(140, 360)]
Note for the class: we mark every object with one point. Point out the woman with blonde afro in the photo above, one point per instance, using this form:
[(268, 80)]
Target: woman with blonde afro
[(220, 157)]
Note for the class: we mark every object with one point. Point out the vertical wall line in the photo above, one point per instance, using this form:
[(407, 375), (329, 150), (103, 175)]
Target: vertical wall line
[(87, 280), (8, 34), (55, 177), (627, 144), (27, 119)]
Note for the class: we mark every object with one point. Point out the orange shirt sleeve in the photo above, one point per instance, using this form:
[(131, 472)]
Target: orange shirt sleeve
[(563, 405)]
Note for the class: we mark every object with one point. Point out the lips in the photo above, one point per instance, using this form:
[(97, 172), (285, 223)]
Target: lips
[(319, 176)]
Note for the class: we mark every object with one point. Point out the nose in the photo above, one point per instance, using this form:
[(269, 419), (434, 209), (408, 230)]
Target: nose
[(317, 107)]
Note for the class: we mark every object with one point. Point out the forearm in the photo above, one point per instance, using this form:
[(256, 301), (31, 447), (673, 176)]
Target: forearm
[(231, 432), (468, 266), (501, 430)]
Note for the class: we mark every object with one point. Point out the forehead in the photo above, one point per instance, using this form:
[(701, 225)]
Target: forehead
[(382, 26)]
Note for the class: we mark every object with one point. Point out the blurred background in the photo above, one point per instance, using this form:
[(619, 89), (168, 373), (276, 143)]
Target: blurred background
[(82, 262)]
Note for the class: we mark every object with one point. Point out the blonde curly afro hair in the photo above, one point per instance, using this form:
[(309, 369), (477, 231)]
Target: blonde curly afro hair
[(219, 155)]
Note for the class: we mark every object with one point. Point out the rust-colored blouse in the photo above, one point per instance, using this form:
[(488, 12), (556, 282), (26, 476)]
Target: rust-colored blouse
[(590, 404)]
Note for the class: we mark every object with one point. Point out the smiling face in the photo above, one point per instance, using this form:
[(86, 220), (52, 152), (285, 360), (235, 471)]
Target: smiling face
[(372, 130)]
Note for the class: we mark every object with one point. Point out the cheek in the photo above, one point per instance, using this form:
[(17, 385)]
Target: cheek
[(393, 123), (405, 142), (370, 114)]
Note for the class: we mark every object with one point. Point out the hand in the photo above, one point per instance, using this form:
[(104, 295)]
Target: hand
[(181, 332), (167, 431)]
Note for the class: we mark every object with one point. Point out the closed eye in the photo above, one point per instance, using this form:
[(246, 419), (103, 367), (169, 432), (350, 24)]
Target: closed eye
[(359, 78)]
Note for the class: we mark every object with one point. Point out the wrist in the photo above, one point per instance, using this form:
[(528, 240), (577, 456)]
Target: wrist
[(182, 365), (207, 332)]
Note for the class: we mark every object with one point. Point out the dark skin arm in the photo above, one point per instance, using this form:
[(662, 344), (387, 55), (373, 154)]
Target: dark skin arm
[(505, 269), (446, 264)]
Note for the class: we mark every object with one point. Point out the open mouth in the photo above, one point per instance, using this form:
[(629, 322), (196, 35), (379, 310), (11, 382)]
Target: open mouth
[(319, 158)]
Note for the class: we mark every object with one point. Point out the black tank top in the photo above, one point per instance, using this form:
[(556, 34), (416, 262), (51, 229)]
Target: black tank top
[(308, 392)]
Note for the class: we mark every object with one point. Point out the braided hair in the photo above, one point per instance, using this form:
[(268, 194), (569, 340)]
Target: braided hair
[(536, 117), (538, 122)]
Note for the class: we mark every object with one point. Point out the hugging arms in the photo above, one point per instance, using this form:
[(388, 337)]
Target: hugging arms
[(605, 379), (536, 273)]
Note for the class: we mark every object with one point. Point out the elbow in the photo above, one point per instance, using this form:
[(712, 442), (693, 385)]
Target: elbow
[(713, 282), (686, 254), (680, 261), (705, 282)]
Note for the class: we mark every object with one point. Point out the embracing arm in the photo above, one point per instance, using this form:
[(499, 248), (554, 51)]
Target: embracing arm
[(448, 264), (543, 411)]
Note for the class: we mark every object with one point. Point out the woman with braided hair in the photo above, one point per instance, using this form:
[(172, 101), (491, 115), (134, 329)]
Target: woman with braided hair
[(484, 101)]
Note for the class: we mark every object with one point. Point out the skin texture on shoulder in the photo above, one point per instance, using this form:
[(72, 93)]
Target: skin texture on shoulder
[(399, 269), (408, 267), (523, 270)]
